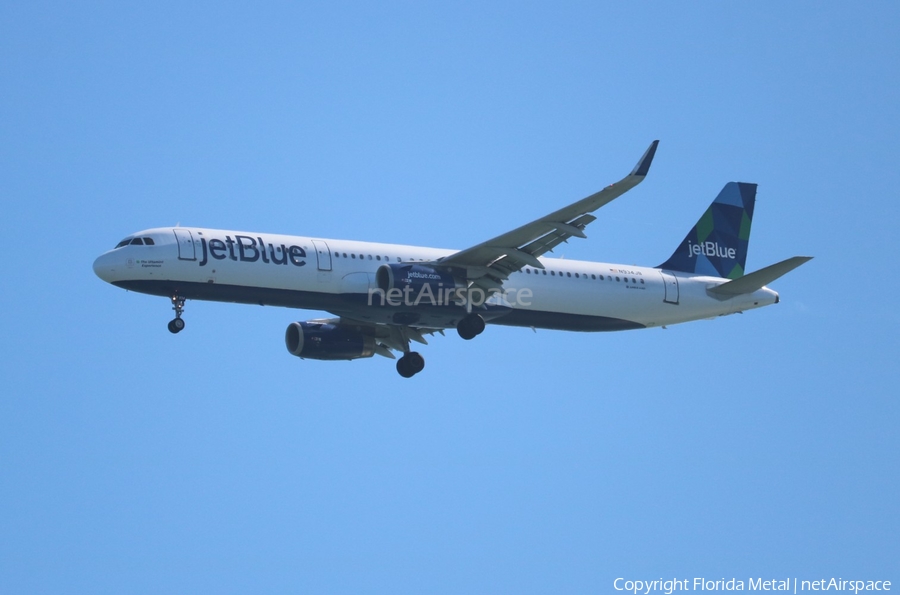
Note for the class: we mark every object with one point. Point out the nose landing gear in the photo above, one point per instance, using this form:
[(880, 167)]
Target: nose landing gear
[(177, 324)]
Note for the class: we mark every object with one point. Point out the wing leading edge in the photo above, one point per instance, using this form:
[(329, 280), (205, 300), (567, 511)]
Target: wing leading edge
[(491, 262)]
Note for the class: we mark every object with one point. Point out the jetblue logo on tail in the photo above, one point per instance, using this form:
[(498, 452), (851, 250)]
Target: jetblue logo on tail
[(710, 249), (717, 244)]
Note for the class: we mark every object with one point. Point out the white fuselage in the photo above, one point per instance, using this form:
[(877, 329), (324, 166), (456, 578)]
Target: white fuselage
[(339, 276)]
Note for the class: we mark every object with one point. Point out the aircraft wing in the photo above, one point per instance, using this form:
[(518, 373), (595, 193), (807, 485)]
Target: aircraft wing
[(488, 264)]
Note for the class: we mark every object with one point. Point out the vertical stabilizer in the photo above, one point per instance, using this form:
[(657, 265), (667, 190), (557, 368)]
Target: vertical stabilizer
[(717, 245)]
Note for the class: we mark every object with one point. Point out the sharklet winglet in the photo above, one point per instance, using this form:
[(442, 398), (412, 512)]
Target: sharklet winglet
[(643, 165)]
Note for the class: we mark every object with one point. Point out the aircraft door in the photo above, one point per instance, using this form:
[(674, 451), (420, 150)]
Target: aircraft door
[(186, 248), (671, 283), (323, 255)]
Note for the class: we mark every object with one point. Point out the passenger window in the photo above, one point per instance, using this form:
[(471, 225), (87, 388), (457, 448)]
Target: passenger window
[(137, 242), (354, 256), (642, 281), (552, 273), (568, 274), (593, 276), (528, 271), (617, 279)]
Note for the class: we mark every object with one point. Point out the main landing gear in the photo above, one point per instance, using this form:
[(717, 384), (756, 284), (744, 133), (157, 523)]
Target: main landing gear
[(470, 327), (177, 324), (410, 364)]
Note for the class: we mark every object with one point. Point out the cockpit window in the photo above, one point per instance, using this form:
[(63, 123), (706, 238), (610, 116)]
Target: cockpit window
[(124, 242), (148, 241), (137, 242)]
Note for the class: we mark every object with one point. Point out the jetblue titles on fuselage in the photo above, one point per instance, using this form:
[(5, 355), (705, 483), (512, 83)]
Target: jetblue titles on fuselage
[(248, 250)]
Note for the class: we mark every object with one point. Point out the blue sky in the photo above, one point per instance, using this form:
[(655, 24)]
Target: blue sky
[(762, 444)]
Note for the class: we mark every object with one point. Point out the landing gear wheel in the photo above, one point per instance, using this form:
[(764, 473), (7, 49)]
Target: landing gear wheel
[(176, 326), (410, 364), (403, 368), (470, 327), (416, 361)]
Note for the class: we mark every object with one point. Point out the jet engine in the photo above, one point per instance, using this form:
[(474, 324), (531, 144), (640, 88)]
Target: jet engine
[(327, 341), (415, 276)]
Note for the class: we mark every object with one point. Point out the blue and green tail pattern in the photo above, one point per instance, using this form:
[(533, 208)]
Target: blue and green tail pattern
[(717, 245)]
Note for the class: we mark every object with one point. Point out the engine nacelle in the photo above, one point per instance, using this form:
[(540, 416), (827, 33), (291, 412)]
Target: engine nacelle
[(415, 276), (326, 341)]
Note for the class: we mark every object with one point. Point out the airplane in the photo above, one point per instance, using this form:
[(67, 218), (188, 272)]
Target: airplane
[(386, 296)]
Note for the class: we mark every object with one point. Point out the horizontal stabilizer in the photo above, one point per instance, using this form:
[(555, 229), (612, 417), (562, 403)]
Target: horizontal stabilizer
[(757, 279)]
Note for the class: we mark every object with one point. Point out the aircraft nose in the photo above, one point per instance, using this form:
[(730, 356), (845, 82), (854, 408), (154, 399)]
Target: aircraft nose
[(104, 267)]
